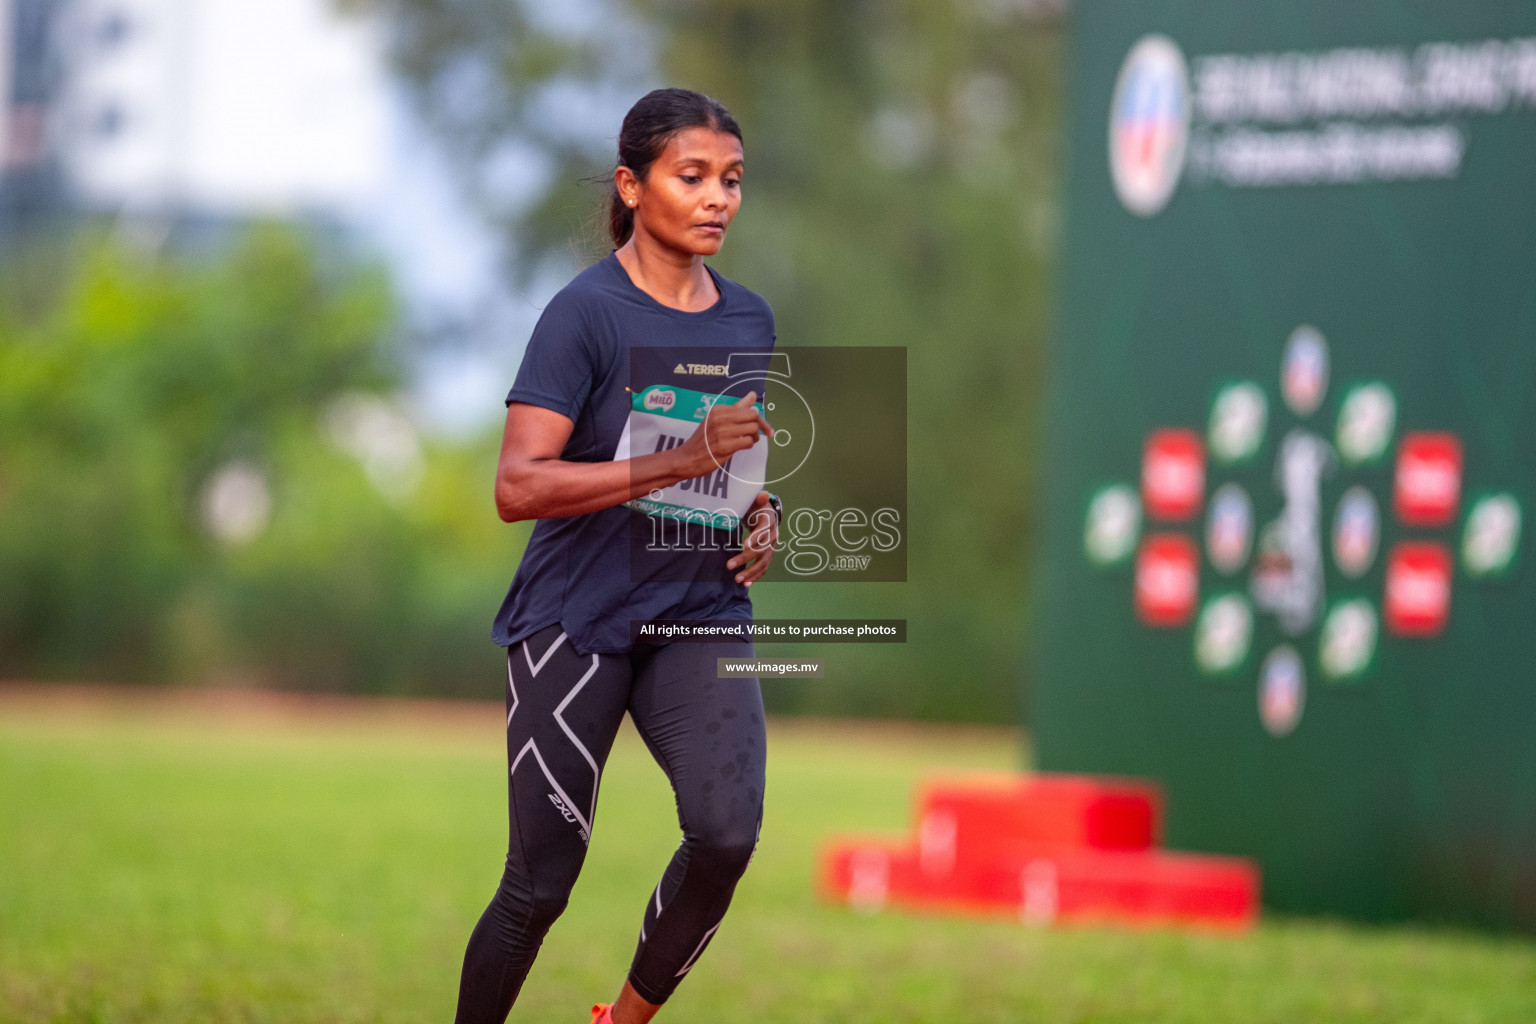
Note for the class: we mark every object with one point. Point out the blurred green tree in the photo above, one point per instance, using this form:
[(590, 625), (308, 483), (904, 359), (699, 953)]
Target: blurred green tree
[(901, 162), (205, 473)]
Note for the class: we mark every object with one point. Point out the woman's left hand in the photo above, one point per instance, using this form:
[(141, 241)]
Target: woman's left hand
[(762, 537)]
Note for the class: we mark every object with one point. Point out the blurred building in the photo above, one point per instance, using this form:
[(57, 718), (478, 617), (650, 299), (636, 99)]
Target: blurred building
[(220, 107), (199, 107), (29, 182)]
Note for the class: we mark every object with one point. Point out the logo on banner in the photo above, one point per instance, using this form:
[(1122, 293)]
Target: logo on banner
[(1356, 532), (1427, 487), (1304, 370), (1418, 592), (1237, 422), (1229, 528), (1172, 474), (1114, 520), (1282, 690), (1149, 125), (1167, 579), (1366, 421), (1288, 572), (1348, 643), (1223, 634), (1492, 536)]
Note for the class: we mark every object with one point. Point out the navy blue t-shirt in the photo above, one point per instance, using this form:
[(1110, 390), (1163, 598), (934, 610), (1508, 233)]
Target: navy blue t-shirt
[(595, 340)]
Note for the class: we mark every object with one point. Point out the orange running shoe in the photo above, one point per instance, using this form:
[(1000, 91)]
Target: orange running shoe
[(602, 1013)]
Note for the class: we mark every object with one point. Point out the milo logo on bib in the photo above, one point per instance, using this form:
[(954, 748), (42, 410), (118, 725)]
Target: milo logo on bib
[(659, 399), (661, 418)]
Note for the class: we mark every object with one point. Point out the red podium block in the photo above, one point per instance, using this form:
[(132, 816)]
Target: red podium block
[(1043, 849), (1146, 888), (970, 821), (1056, 886), (867, 874)]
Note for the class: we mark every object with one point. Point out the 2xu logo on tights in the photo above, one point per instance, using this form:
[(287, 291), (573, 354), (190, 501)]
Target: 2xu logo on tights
[(569, 815)]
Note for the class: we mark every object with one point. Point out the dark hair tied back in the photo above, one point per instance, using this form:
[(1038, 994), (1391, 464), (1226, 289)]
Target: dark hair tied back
[(650, 124)]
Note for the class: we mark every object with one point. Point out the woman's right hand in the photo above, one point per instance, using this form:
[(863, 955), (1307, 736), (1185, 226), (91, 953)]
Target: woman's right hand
[(726, 430), (533, 482)]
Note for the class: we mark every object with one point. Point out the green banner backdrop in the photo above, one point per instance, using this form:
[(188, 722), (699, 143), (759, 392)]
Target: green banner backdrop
[(1293, 407)]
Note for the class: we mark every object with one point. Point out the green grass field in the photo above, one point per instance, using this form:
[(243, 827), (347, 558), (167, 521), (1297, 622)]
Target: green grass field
[(245, 861)]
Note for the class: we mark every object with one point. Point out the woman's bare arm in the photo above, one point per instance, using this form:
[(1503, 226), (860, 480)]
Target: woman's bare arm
[(533, 482)]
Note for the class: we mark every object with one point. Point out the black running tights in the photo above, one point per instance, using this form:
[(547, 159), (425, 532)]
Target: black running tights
[(563, 710)]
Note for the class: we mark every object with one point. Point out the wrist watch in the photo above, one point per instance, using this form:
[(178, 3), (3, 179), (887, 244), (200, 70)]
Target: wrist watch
[(777, 506)]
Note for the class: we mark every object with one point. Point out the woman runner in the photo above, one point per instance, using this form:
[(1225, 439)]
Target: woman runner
[(594, 564)]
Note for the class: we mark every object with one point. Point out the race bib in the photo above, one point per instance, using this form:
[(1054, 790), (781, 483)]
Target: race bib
[(663, 417)]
